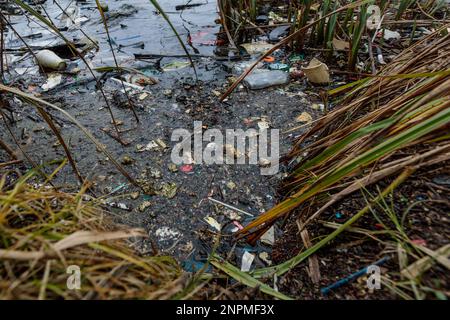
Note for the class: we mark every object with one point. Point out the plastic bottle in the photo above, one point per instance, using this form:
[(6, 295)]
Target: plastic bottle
[(48, 59), (266, 79)]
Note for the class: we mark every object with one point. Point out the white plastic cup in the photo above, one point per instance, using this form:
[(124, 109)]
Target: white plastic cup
[(317, 72), (50, 60)]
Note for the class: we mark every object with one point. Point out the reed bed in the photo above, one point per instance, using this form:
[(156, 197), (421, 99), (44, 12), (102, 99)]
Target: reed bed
[(406, 107)]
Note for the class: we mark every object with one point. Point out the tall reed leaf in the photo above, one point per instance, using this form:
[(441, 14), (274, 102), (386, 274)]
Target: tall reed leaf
[(166, 17)]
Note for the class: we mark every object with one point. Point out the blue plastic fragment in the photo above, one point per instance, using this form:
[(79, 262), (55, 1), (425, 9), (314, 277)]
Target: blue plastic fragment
[(192, 265), (351, 277)]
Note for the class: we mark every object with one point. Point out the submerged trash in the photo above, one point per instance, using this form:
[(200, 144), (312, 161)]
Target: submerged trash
[(176, 65), (140, 79), (317, 72), (124, 10), (127, 160), (49, 60), (266, 79), (187, 6)]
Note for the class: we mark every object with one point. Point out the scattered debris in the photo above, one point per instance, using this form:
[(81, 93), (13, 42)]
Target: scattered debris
[(187, 168), (269, 237), (313, 261), (264, 256), (338, 215), (230, 207), (49, 60), (168, 190), (151, 146), (144, 206), (232, 215), (127, 160), (54, 79), (317, 72), (247, 260), (231, 185), (165, 233), (188, 6), (238, 225), (257, 47), (213, 223), (304, 117), (120, 205)]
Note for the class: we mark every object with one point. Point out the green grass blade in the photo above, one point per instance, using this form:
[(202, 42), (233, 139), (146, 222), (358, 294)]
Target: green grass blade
[(245, 278), (166, 17)]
